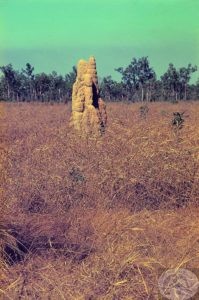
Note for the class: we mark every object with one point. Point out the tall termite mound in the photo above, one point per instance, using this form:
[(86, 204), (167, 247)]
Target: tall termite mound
[(88, 109)]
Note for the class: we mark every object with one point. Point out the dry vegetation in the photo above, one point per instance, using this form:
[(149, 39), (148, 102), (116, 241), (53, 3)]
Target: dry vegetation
[(96, 219)]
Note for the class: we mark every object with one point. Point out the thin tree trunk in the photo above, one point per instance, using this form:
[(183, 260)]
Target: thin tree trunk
[(147, 96), (142, 97), (185, 92), (8, 92)]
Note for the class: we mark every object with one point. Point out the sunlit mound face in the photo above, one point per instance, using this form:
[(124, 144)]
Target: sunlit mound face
[(92, 60), (81, 68), (88, 80)]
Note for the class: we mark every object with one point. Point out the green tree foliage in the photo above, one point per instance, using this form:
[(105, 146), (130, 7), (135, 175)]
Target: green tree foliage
[(112, 90), (175, 82), (184, 78), (8, 81), (138, 83), (29, 81), (170, 81), (24, 85), (137, 77), (70, 79)]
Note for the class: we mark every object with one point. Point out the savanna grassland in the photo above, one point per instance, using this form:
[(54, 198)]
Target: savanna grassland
[(96, 219)]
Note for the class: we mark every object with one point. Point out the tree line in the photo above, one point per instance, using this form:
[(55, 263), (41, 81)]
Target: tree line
[(138, 82)]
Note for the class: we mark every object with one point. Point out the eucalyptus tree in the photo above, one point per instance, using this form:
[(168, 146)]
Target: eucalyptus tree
[(184, 78), (137, 76), (29, 76), (69, 81), (9, 79), (170, 82), (112, 90), (175, 81)]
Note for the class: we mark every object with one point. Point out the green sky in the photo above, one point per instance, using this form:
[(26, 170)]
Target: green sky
[(54, 34)]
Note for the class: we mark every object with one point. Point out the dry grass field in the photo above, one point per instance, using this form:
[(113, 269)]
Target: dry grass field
[(94, 219)]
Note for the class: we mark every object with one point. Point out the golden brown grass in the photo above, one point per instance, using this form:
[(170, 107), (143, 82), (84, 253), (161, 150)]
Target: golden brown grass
[(96, 219)]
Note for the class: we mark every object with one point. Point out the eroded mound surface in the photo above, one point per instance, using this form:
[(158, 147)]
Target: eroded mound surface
[(88, 109)]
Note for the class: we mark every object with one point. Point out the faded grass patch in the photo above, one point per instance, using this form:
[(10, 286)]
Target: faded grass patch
[(97, 219)]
